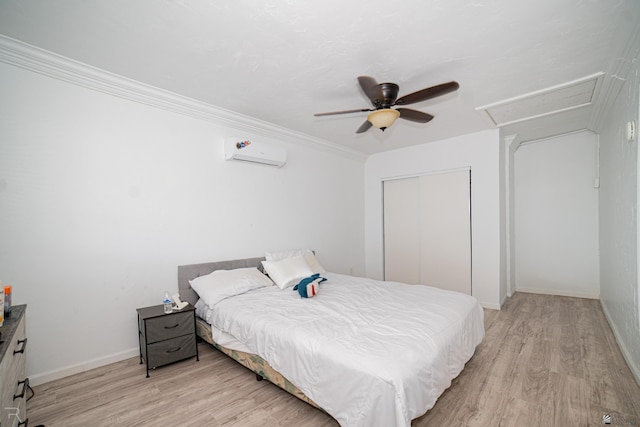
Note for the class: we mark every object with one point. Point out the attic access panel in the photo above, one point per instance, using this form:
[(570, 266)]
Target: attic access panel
[(564, 97)]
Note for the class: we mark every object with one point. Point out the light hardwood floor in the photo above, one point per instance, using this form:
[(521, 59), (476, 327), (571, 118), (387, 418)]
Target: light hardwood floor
[(545, 361)]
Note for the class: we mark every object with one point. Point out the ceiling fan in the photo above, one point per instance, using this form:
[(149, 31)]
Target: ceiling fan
[(383, 96)]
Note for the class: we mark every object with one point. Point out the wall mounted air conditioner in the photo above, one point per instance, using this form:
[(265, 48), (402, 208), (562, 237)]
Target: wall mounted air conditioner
[(255, 152)]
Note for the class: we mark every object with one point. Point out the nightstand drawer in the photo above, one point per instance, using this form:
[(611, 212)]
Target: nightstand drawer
[(163, 352), (169, 326)]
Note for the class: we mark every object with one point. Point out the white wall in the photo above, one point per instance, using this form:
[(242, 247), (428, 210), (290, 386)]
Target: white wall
[(619, 287), (480, 151), (556, 216), (101, 198)]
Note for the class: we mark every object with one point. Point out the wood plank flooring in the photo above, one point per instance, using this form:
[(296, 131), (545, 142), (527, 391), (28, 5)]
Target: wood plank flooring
[(545, 361)]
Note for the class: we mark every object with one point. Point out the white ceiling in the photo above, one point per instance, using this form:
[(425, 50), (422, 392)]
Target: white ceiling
[(281, 61)]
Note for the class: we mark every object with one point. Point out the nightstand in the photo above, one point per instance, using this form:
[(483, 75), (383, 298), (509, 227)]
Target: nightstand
[(166, 338)]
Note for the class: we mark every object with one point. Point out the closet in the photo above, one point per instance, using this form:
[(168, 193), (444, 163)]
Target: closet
[(427, 230)]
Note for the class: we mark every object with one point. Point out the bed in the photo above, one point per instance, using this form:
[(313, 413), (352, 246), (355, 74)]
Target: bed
[(366, 352)]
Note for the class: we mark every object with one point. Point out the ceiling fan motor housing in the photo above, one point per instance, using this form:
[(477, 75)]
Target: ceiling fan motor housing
[(389, 94)]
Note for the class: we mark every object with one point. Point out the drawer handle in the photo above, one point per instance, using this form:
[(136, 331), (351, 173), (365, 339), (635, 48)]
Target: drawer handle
[(171, 327), (173, 350), (25, 386), (24, 346), (24, 423)]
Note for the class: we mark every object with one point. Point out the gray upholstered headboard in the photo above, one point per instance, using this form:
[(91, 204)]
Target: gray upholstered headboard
[(190, 272)]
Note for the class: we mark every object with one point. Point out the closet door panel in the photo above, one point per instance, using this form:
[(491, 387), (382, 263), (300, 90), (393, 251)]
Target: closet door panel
[(445, 242), (401, 231)]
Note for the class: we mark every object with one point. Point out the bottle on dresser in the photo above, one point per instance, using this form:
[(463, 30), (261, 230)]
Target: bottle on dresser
[(1, 301), (7, 301)]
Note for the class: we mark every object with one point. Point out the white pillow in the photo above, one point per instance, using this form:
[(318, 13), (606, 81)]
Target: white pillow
[(306, 253), (287, 272), (221, 284)]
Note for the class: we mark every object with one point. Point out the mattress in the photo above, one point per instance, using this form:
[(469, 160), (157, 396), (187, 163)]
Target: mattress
[(367, 352)]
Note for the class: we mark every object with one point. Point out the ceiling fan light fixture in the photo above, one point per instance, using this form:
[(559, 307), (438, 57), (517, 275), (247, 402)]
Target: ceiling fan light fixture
[(383, 96), (383, 118)]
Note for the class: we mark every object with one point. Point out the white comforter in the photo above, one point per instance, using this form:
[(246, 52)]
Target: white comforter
[(369, 353)]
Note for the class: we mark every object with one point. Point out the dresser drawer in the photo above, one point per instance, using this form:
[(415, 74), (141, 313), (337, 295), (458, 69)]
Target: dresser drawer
[(14, 358), (168, 351), (14, 394), (169, 326)]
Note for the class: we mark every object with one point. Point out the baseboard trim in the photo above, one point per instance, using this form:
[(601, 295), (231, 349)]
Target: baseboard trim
[(635, 370), (45, 377), (560, 293), (490, 305)]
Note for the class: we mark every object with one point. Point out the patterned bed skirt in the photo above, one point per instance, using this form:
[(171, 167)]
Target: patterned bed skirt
[(253, 362)]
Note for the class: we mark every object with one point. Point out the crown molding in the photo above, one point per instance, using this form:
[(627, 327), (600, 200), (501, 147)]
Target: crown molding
[(32, 58)]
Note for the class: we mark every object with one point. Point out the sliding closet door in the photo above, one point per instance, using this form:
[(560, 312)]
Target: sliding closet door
[(433, 210), (401, 225), (445, 237)]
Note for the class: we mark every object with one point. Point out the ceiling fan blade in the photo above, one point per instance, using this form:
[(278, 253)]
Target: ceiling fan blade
[(428, 93), (371, 88), (365, 127), (343, 112), (414, 115)]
